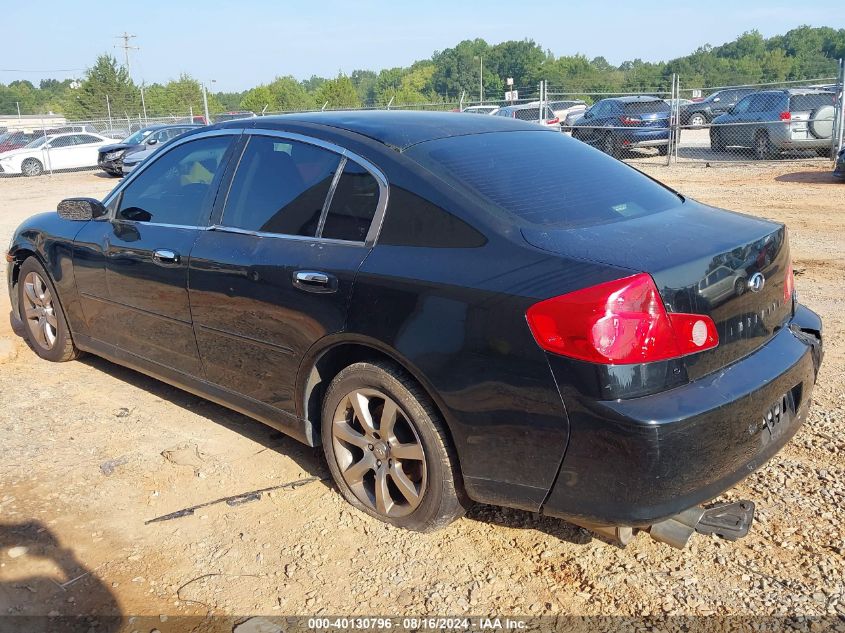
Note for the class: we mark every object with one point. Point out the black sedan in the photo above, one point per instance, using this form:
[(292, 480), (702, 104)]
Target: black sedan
[(110, 157), (455, 308)]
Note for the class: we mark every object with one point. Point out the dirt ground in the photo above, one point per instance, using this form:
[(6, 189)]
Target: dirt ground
[(89, 451)]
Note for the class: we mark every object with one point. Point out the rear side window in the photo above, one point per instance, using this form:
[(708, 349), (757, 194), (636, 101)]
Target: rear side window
[(801, 103), (280, 187), (353, 205), (543, 179), (646, 107)]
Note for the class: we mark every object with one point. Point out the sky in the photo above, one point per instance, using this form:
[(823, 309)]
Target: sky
[(238, 45)]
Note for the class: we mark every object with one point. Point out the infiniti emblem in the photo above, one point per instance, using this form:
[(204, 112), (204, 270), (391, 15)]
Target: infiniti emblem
[(756, 282)]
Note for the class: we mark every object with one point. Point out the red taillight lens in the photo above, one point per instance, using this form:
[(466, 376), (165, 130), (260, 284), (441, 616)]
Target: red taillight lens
[(553, 121), (630, 120), (789, 283), (785, 116), (618, 322)]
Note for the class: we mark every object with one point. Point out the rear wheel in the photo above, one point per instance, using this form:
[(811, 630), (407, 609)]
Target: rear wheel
[(32, 167), (763, 148), (824, 152), (698, 120), (46, 327), (717, 143), (608, 145), (387, 448)]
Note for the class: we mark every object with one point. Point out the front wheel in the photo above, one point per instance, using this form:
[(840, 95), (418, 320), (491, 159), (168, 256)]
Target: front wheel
[(46, 327), (608, 145), (32, 167), (388, 450)]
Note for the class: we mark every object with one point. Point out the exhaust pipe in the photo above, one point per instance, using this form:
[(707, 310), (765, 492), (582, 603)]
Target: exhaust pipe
[(728, 520)]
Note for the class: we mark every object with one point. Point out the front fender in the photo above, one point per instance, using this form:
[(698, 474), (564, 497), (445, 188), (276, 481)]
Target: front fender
[(49, 238)]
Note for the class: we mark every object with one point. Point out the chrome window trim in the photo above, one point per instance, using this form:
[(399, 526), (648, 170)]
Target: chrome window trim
[(345, 154), (327, 203), (282, 236), (381, 179), (128, 180)]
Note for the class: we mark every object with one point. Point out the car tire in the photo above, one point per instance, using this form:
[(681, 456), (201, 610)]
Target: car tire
[(763, 148), (824, 152), (418, 489), (32, 167), (739, 287), (717, 143), (40, 309), (697, 119), (608, 146)]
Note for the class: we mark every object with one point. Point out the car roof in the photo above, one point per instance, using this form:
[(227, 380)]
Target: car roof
[(634, 98), (396, 128), (162, 126), (795, 91)]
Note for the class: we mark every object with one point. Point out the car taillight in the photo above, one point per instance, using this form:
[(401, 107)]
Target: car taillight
[(785, 116), (788, 284), (630, 120), (618, 322), (553, 121)]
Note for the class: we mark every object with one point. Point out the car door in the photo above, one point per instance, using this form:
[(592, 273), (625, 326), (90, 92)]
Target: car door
[(275, 272), (142, 250), (737, 133), (84, 152), (59, 152)]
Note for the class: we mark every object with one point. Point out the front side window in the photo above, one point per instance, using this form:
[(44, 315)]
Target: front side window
[(743, 105), (84, 139), (176, 188), (62, 141), (280, 187)]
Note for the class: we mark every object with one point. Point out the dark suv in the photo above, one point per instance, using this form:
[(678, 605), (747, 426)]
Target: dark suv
[(700, 113), (453, 307), (774, 121), (622, 123)]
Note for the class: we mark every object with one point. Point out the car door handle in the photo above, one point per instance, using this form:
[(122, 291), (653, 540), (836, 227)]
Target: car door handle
[(165, 257), (314, 281)]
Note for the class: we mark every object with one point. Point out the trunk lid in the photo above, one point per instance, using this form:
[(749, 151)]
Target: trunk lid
[(704, 261)]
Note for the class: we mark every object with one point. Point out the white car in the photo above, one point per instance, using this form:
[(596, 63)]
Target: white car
[(481, 109), (54, 152)]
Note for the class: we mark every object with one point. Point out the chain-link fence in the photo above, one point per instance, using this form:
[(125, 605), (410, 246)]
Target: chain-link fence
[(789, 120)]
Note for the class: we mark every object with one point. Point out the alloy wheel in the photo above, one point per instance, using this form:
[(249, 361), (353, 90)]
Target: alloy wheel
[(379, 453), (697, 120), (39, 312)]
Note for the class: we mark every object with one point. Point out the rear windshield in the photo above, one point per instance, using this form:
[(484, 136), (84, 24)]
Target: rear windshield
[(800, 103), (646, 107), (544, 178), (527, 114)]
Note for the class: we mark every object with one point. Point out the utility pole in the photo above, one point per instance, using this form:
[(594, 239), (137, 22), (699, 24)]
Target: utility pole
[(481, 80), (204, 105), (126, 48), (19, 110)]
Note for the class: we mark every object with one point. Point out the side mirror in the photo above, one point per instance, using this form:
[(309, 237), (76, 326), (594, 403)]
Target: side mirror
[(716, 99), (152, 141), (81, 209)]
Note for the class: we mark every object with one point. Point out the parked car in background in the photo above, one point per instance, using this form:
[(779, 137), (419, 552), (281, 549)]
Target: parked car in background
[(617, 124), (680, 102), (111, 157), (232, 116), (839, 170), (152, 144), (454, 308), (530, 112), (773, 121), (481, 109), (700, 113), (83, 127), (564, 109), (15, 140), (56, 152)]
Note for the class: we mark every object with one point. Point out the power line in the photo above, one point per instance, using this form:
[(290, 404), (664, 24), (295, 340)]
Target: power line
[(126, 48)]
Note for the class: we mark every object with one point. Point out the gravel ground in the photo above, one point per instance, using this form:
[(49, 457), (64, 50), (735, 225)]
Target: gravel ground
[(90, 451)]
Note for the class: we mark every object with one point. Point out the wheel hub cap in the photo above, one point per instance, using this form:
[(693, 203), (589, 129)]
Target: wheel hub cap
[(379, 453)]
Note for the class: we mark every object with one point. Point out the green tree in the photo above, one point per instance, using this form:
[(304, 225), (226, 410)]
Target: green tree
[(259, 99), (338, 93), (290, 95), (104, 80)]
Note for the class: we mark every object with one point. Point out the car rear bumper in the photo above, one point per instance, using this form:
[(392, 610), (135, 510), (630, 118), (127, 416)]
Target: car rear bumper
[(642, 137), (636, 462)]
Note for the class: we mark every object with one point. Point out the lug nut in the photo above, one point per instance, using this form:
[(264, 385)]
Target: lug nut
[(370, 446), (378, 463)]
